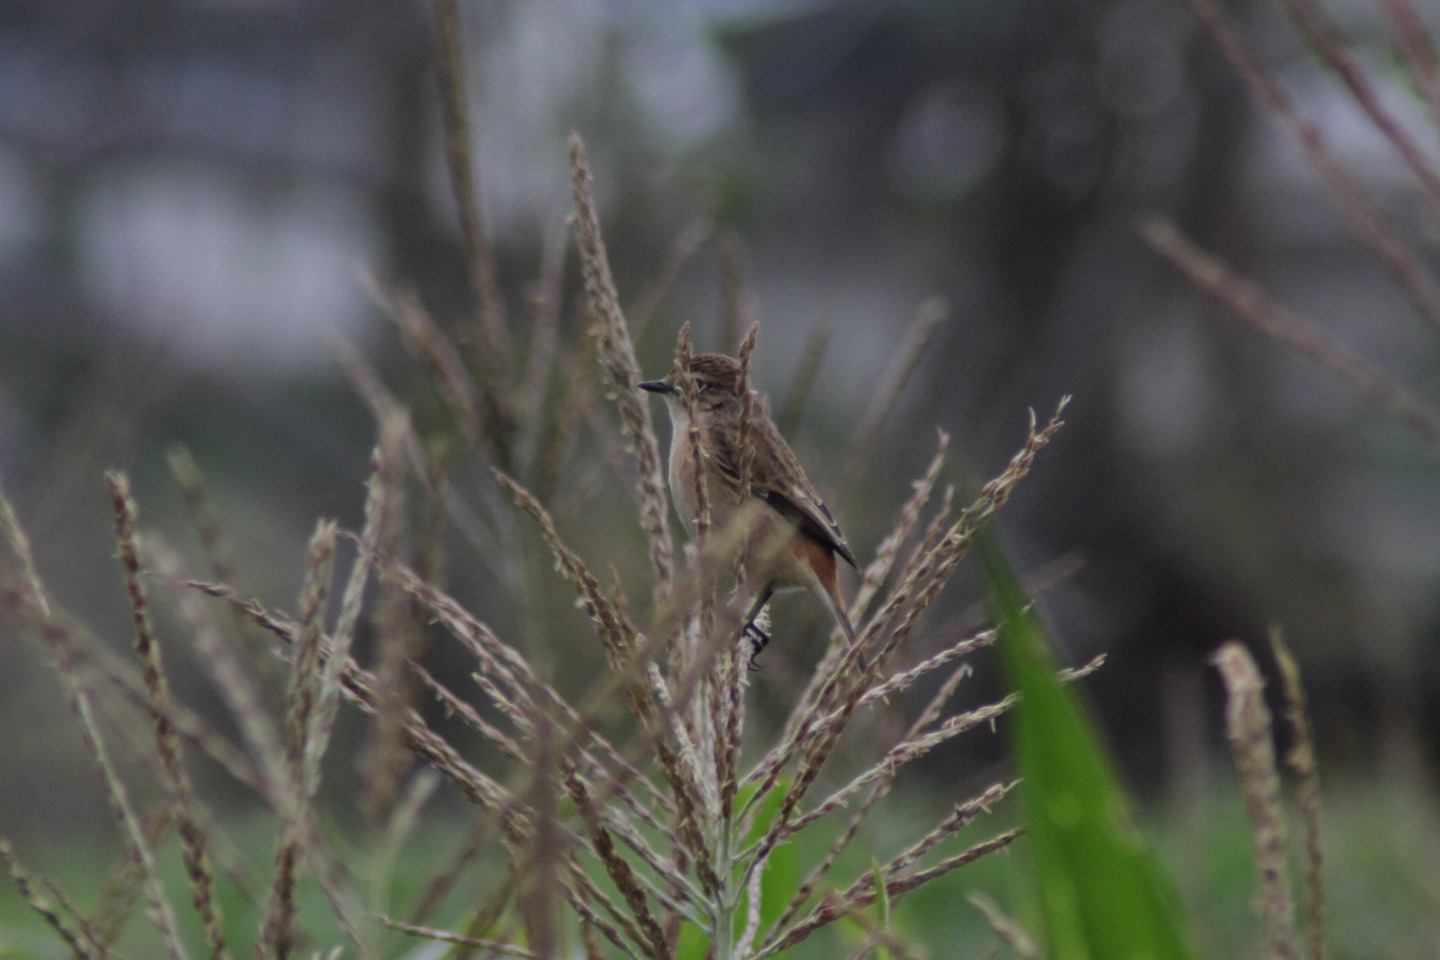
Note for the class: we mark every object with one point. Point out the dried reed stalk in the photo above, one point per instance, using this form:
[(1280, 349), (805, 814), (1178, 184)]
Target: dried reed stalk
[(736, 310), (398, 635), (818, 720), (476, 944), (484, 282), (682, 248), (1016, 937), (1364, 216), (31, 585), (518, 692), (162, 912), (1247, 723), (863, 892), (221, 555), (729, 717), (167, 741), (460, 391), (800, 385), (546, 305), (1418, 49), (617, 358), (277, 937), (1300, 758), (59, 639), (1251, 303), (620, 640), (80, 945), (906, 358), (632, 837), (89, 653), (1325, 38)]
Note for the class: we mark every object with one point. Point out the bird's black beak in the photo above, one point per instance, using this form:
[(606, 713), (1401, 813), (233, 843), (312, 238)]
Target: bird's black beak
[(656, 386)]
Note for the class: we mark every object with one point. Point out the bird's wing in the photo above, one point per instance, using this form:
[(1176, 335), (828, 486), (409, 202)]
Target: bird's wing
[(777, 478), (812, 517)]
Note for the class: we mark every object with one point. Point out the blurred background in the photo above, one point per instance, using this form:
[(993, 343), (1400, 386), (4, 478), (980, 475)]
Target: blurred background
[(191, 193)]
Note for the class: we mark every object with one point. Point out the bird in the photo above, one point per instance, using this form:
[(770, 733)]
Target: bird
[(793, 540)]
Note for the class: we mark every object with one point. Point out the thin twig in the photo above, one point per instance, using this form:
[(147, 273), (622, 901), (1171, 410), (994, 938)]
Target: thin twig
[(546, 305), (1365, 218), (80, 947), (906, 358), (161, 911), (1009, 929), (681, 249), (458, 160), (221, 555), (863, 892), (1418, 48), (789, 416), (1325, 36), (1251, 303), (445, 936), (736, 311)]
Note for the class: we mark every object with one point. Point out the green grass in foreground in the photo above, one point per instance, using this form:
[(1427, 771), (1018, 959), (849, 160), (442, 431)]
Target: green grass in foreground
[(1382, 845)]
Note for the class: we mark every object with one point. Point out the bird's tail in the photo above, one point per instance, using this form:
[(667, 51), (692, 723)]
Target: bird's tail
[(835, 602)]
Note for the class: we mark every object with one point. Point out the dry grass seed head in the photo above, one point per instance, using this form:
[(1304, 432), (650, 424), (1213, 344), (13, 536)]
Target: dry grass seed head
[(1248, 725), (617, 359), (172, 766), (1300, 758)]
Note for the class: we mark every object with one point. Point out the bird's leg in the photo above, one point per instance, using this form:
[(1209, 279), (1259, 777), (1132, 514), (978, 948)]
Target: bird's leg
[(758, 638)]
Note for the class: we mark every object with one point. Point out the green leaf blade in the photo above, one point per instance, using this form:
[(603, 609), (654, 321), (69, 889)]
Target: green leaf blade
[(1103, 894)]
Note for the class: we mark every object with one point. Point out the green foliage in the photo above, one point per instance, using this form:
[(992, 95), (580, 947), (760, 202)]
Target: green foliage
[(781, 877), (1102, 892)]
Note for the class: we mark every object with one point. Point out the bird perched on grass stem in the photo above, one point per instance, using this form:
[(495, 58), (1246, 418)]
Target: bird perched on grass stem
[(790, 539)]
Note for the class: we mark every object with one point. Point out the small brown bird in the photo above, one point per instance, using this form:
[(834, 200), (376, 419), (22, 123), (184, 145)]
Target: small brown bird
[(793, 539)]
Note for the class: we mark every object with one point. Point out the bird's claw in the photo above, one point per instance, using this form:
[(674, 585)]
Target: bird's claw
[(758, 639)]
